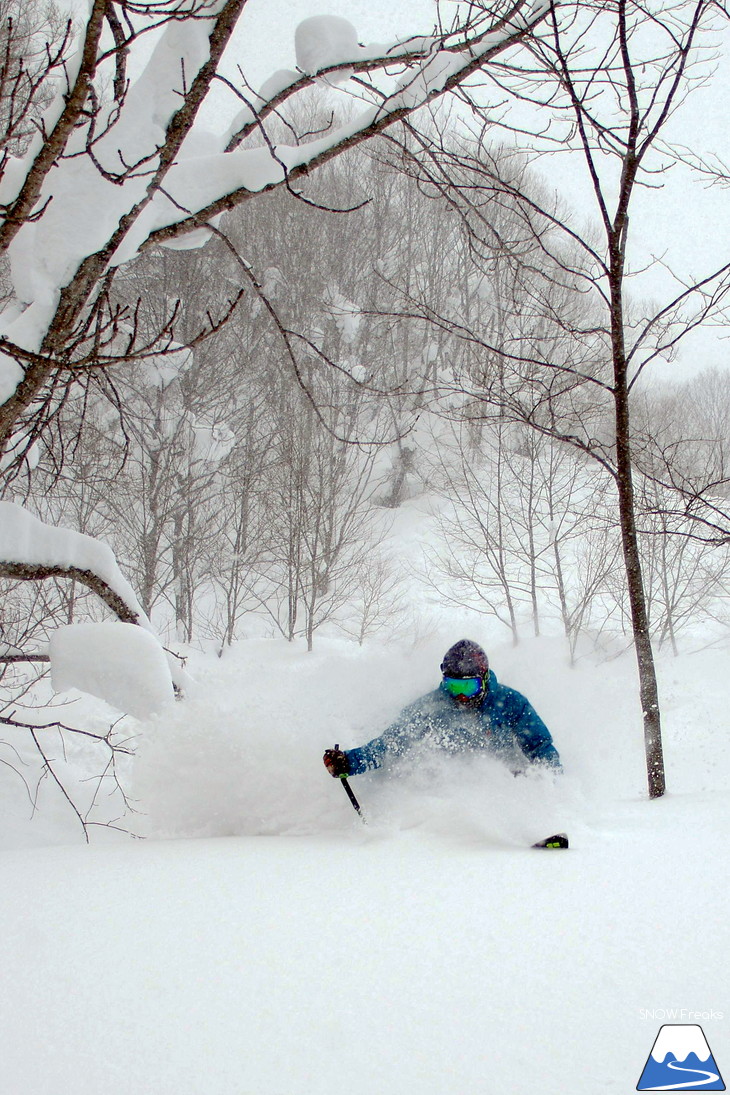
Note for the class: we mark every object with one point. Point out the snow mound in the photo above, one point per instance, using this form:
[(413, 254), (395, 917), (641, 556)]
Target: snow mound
[(324, 40), (116, 662)]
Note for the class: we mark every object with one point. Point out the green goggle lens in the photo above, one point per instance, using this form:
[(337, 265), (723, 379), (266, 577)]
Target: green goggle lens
[(462, 686)]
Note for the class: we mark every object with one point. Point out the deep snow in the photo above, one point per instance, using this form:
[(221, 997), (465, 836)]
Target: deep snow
[(119, 663), (430, 951), (290, 950)]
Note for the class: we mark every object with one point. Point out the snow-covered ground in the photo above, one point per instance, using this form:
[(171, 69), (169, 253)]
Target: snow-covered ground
[(261, 940), (290, 950)]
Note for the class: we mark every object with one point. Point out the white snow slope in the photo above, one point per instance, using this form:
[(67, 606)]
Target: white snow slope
[(294, 951)]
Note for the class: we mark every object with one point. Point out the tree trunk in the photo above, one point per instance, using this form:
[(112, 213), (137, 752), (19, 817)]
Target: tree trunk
[(563, 600), (648, 690)]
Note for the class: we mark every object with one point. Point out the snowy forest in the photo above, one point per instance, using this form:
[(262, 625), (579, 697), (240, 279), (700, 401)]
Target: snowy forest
[(306, 375)]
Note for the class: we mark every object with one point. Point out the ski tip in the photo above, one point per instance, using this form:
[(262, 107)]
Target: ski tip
[(558, 840)]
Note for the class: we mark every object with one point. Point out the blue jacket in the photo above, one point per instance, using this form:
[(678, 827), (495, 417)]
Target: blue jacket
[(504, 724)]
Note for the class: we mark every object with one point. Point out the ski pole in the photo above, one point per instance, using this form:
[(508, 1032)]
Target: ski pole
[(351, 794)]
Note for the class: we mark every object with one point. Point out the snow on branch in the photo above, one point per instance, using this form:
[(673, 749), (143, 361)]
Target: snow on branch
[(121, 663), (31, 550), (325, 50), (34, 572), (118, 663), (430, 72), (120, 165)]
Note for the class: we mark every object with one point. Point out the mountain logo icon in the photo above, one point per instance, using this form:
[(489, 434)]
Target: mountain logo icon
[(680, 1060)]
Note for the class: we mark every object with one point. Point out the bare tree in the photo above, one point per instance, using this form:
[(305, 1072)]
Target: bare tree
[(34, 40), (609, 75), (101, 163), (480, 550), (121, 144), (320, 499)]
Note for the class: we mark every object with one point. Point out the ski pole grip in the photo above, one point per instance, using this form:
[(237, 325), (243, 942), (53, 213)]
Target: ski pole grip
[(344, 774)]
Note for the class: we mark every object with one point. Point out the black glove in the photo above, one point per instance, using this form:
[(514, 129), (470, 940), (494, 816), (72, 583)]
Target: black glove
[(336, 763)]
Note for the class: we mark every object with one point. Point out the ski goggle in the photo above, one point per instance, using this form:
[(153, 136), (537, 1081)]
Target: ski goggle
[(468, 687)]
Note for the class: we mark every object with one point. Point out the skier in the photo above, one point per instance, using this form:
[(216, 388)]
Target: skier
[(469, 710)]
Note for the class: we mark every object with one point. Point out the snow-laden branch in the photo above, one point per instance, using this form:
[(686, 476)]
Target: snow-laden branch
[(210, 186), (37, 572), (108, 175), (31, 550), (123, 664)]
